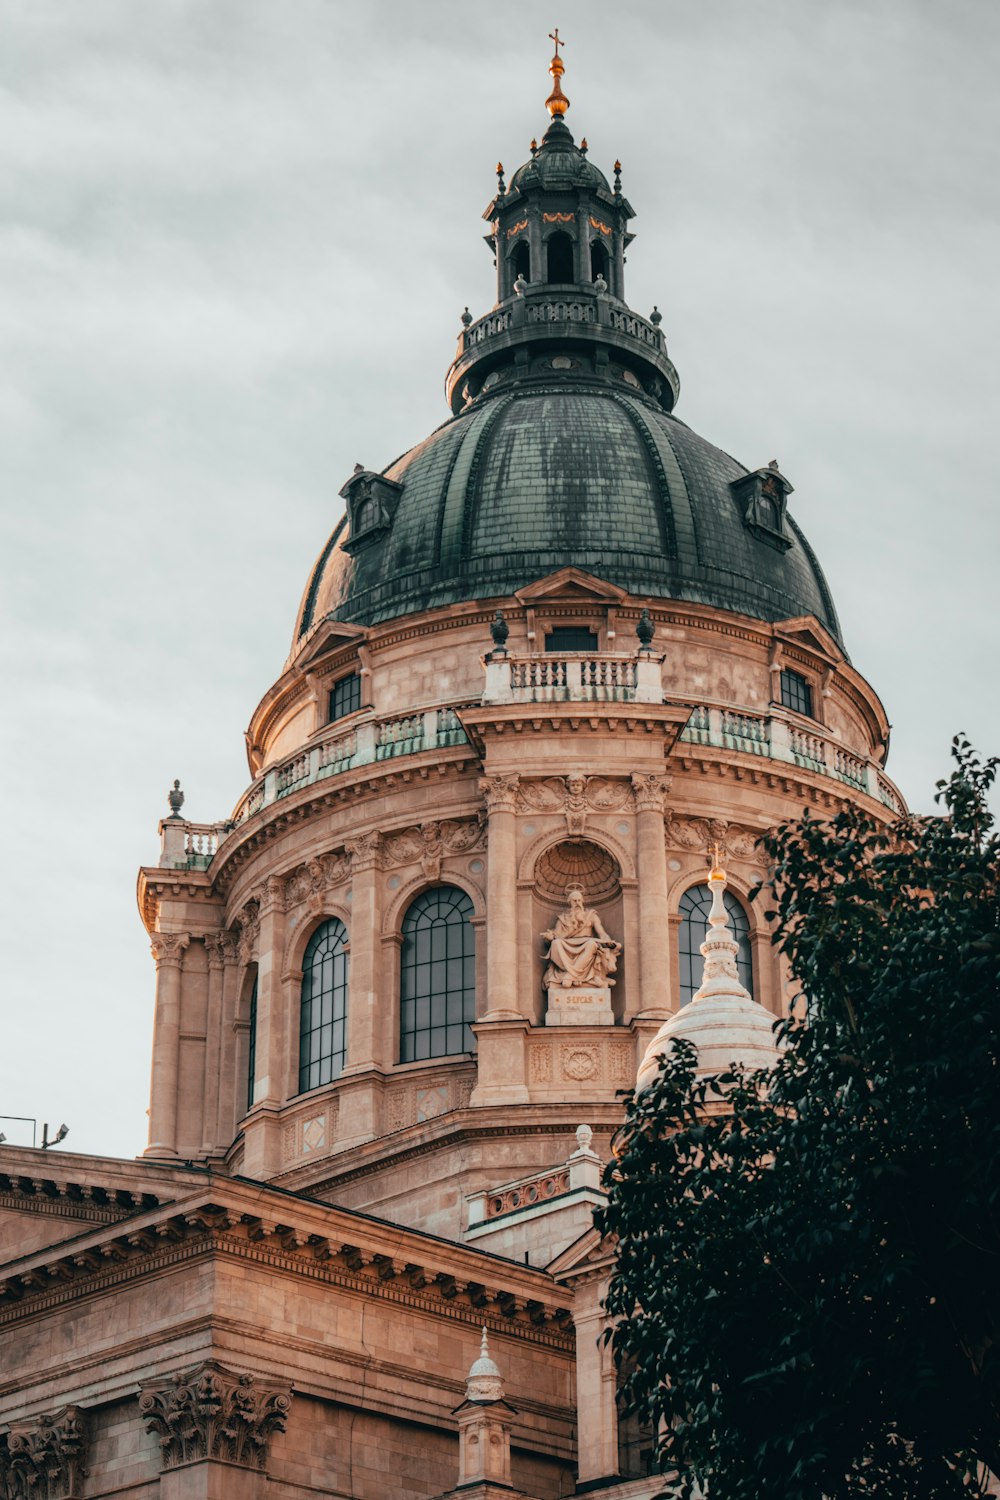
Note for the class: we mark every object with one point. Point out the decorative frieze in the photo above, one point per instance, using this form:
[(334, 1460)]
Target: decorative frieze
[(364, 851), (209, 1412), (575, 796), (43, 1459), (702, 834)]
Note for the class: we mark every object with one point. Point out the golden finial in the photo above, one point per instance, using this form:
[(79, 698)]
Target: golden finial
[(718, 873), (557, 104)]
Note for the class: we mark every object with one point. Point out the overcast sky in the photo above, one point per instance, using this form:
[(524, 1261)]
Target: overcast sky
[(236, 237)]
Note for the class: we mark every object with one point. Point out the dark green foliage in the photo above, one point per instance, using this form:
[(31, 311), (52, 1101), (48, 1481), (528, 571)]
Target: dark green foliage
[(809, 1261)]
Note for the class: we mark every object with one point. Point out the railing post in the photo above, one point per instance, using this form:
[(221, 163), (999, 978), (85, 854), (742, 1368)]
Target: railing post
[(574, 679), (173, 843), (648, 678), (715, 726), (366, 739), (270, 787), (497, 689), (779, 739), (430, 729)]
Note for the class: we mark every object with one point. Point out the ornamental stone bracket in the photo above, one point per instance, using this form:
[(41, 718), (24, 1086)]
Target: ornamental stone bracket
[(211, 1413), (43, 1459)]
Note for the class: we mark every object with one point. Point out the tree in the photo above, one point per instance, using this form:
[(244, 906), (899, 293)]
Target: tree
[(808, 1272)]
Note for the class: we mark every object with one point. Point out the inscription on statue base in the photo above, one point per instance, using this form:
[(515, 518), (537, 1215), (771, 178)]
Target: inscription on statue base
[(588, 1005)]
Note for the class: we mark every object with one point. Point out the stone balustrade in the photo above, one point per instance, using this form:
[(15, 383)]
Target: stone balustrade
[(573, 677), (544, 677), (776, 737), (193, 846)]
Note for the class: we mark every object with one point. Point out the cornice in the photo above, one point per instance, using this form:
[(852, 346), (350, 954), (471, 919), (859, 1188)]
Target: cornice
[(357, 1254)]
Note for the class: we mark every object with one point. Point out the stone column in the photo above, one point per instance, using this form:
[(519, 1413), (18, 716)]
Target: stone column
[(502, 1000), (597, 1409), (262, 1135), (215, 943), (168, 950), (270, 1083), (365, 1036), (654, 941), (229, 1078)]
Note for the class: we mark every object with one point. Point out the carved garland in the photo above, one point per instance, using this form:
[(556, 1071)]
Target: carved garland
[(209, 1412)]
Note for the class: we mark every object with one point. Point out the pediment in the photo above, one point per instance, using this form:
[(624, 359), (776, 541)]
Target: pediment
[(571, 584), (328, 636), (593, 1252), (807, 632)]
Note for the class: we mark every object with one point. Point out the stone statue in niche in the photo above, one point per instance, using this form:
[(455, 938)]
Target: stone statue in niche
[(581, 959)]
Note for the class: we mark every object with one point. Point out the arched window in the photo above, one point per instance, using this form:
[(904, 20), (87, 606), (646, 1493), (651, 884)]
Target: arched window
[(437, 993), (252, 1044), (696, 904), (600, 263), (559, 251), (521, 259), (323, 1013)]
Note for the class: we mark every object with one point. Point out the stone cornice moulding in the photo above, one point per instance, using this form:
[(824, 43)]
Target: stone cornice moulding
[(322, 1242)]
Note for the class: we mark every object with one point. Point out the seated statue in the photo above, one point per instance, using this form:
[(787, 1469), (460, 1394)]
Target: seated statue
[(581, 954)]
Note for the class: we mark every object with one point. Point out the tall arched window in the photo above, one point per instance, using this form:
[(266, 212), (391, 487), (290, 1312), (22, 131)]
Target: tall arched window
[(600, 264), (323, 1013), (696, 904), (559, 252), (437, 992)]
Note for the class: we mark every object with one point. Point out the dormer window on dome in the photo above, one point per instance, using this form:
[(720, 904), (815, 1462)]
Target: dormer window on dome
[(763, 497), (371, 505)]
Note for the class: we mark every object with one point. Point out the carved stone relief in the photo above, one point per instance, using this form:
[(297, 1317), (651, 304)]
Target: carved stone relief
[(209, 1412), (581, 953), (702, 833), (43, 1459), (575, 796)]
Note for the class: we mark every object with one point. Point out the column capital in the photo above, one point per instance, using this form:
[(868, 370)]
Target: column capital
[(499, 792), (45, 1455), (168, 948), (209, 1412), (365, 851), (650, 792), (217, 946), (272, 895)]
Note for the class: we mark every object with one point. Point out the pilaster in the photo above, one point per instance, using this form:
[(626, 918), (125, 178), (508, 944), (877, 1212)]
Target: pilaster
[(215, 947), (168, 950), (654, 941), (502, 999)]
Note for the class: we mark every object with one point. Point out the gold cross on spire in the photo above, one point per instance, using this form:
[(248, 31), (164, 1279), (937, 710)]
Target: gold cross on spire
[(557, 104)]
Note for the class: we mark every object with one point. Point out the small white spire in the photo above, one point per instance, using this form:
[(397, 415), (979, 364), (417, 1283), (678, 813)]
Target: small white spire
[(484, 1383), (720, 976)]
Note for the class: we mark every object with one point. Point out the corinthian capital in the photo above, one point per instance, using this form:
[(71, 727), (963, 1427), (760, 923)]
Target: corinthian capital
[(209, 1412), (365, 851), (272, 895), (499, 792), (44, 1458), (217, 947), (168, 948), (649, 792)]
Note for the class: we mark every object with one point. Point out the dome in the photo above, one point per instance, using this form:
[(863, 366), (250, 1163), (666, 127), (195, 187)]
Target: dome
[(564, 468), (559, 164)]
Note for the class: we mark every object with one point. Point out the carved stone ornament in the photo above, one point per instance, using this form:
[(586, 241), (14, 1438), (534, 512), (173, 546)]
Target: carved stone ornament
[(581, 954), (218, 948), (311, 881), (248, 923), (169, 947), (43, 1459), (500, 792), (703, 833), (365, 851), (650, 792), (575, 795), (209, 1412)]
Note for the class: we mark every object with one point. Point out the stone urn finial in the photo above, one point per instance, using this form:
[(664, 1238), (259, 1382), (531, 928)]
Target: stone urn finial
[(645, 630), (520, 285), (467, 317), (656, 317), (176, 799), (499, 630), (600, 285)]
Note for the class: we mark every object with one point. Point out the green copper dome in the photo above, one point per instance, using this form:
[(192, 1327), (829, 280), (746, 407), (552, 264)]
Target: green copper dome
[(561, 471), (563, 449)]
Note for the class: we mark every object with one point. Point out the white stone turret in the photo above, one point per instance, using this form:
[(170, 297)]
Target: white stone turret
[(723, 1020)]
